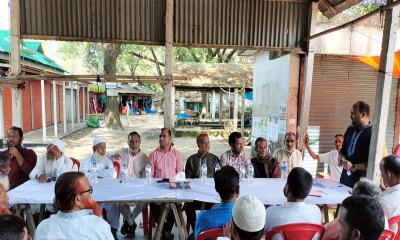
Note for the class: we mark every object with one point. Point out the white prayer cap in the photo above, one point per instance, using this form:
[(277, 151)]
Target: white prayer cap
[(58, 143), (98, 140), (249, 214)]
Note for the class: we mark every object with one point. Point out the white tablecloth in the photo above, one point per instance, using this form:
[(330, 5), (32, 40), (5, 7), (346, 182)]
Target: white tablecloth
[(268, 190)]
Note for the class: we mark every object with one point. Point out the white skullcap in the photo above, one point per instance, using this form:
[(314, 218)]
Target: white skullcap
[(98, 140), (58, 143), (249, 214)]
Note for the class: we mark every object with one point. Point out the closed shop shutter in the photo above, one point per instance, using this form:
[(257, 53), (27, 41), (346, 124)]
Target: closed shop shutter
[(338, 82)]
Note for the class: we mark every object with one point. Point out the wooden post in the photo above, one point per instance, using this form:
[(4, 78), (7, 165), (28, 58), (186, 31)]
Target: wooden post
[(43, 110), (64, 109), (72, 105), (88, 100), (213, 104), (242, 114), (169, 90), (83, 104), (221, 102), (55, 109), (396, 138), (235, 109), (78, 113), (15, 60), (383, 88), (307, 86)]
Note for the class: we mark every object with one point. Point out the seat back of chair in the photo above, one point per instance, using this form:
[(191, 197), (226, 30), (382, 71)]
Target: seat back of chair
[(211, 234), (75, 162), (387, 235), (298, 231), (117, 167), (395, 221)]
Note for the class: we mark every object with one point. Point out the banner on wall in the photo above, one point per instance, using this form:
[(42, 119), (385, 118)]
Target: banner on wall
[(267, 126)]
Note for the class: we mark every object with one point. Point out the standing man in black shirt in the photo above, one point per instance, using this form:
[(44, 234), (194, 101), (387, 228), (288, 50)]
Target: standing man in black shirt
[(355, 150)]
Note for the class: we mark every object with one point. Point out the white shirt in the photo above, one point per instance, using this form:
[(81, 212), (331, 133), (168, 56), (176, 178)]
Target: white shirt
[(136, 164), (331, 158), (390, 201), (293, 159), (52, 168), (5, 181), (292, 212), (105, 166), (80, 224)]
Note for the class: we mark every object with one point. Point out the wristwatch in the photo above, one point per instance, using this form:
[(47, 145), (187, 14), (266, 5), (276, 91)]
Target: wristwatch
[(353, 168)]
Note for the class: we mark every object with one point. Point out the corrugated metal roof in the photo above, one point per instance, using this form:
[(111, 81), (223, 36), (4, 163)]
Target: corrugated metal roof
[(31, 50), (223, 23)]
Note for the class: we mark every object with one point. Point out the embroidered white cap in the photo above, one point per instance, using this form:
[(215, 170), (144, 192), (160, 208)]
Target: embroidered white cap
[(98, 140), (58, 143), (249, 214)]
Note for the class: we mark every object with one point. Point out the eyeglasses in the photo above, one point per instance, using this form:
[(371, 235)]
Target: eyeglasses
[(90, 190), (290, 141)]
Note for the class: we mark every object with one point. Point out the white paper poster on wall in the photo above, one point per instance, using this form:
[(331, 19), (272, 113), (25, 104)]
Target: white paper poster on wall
[(266, 127)]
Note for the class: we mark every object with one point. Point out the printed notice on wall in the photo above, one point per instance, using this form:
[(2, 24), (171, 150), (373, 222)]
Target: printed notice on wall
[(266, 127)]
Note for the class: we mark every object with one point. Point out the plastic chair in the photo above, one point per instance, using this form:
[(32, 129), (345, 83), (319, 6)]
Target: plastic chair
[(211, 234), (117, 167), (297, 231), (387, 235), (395, 221), (75, 162)]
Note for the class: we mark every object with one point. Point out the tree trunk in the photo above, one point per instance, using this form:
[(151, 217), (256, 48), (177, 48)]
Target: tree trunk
[(111, 52)]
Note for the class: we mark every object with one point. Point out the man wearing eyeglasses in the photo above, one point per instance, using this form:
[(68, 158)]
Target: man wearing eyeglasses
[(289, 153), (53, 163), (331, 158), (78, 216), (22, 160)]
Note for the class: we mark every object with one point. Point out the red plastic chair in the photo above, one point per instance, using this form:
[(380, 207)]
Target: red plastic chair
[(75, 162), (211, 234), (394, 221), (387, 235), (117, 167), (297, 231)]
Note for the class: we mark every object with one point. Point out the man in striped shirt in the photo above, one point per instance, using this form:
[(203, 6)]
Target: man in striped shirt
[(235, 156)]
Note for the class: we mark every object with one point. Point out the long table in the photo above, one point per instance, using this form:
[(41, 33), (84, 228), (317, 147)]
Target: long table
[(268, 190)]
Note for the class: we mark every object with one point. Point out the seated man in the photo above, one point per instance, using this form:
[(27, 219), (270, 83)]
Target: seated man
[(295, 210), (248, 219), (4, 171), (192, 170), (364, 187), (331, 158), (22, 160), (361, 217), (235, 156), (264, 165), (227, 185), (78, 216), (13, 228), (136, 161), (390, 173), (53, 163), (4, 201), (165, 162), (104, 165), (289, 153)]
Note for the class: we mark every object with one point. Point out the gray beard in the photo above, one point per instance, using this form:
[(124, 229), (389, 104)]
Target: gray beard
[(4, 181)]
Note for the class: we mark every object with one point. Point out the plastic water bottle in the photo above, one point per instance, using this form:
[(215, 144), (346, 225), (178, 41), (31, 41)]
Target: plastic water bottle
[(250, 172), (147, 171), (93, 170), (124, 173), (284, 169), (326, 169), (217, 167), (204, 172), (242, 170)]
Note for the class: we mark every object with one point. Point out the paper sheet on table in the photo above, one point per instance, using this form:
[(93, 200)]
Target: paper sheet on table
[(327, 184)]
